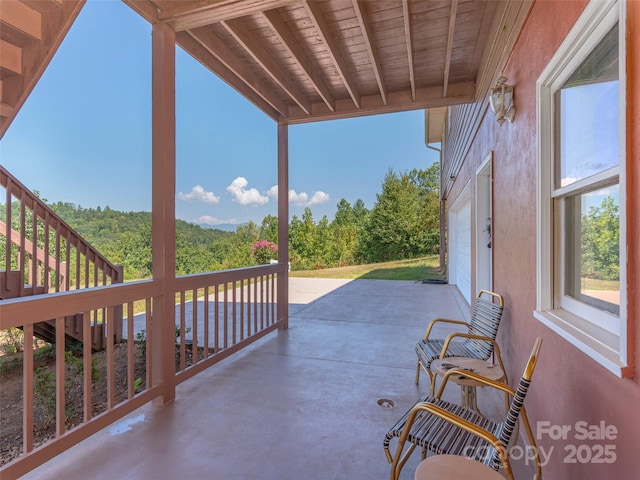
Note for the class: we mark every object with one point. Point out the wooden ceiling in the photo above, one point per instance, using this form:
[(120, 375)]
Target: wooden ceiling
[(30, 33), (298, 60)]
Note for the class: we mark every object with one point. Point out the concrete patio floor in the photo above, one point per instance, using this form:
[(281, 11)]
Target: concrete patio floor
[(297, 404)]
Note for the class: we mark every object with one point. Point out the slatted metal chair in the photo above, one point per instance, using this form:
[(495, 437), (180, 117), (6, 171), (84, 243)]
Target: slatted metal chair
[(478, 341), (446, 428)]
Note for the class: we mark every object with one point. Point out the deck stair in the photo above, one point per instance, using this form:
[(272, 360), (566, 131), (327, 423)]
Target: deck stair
[(41, 254)]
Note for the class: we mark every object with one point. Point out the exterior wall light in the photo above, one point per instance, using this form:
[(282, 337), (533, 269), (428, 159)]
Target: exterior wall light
[(501, 101)]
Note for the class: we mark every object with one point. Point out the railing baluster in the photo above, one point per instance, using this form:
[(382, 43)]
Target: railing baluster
[(21, 251), (47, 267), (216, 325), (233, 314), (131, 391), (78, 266), (7, 227), (60, 378), (27, 391), (226, 315), (242, 319), (255, 304), (34, 250), (206, 321), (110, 328), (194, 328), (88, 365), (149, 344), (249, 307), (58, 255), (183, 353)]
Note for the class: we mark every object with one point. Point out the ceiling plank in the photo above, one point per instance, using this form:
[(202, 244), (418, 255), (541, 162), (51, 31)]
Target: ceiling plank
[(428, 97), (219, 51), (219, 12), (406, 15), (189, 43), (253, 47), (371, 47), (314, 13), (447, 59), (288, 41)]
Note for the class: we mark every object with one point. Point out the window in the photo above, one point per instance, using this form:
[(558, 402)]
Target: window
[(580, 98)]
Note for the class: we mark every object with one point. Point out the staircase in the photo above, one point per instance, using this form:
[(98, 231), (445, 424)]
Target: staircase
[(42, 254), (30, 33)]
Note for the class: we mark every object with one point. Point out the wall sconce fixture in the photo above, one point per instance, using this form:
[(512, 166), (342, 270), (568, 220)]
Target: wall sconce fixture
[(501, 101)]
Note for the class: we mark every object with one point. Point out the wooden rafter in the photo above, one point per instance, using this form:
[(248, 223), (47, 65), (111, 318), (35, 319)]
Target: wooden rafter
[(314, 13), (406, 15), (291, 45), (447, 60), (10, 57), (371, 47), (214, 46), (258, 53), (20, 20)]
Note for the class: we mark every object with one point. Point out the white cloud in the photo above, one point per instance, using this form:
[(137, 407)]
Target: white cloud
[(198, 194), (299, 199), (319, 198), (244, 196), (209, 220)]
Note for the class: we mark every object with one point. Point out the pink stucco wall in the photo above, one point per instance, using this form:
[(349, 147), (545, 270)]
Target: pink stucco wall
[(568, 386)]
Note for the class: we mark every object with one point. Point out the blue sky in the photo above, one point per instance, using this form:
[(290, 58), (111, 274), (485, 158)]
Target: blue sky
[(84, 135)]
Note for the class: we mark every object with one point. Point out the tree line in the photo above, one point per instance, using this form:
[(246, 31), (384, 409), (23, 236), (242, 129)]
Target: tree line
[(403, 223)]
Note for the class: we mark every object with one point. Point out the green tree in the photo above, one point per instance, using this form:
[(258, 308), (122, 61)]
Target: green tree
[(403, 222), (345, 234), (269, 228), (601, 241)]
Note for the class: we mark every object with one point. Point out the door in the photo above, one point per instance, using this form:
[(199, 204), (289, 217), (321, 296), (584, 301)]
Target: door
[(484, 261)]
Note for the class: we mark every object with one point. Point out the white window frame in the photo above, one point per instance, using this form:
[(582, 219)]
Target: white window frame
[(581, 325)]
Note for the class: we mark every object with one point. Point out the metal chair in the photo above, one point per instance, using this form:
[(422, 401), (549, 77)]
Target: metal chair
[(479, 339), (446, 428)]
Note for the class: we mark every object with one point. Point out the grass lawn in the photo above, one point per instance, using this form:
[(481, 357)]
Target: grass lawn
[(425, 268)]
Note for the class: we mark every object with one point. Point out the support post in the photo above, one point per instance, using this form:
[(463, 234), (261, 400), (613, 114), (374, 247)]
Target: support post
[(283, 224), (163, 223)]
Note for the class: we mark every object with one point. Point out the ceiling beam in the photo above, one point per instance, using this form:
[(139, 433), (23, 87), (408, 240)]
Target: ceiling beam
[(314, 13), (406, 16), (447, 58), (428, 97), (220, 52), (19, 18), (10, 57), (6, 110), (184, 18), (258, 53), (371, 47), (290, 44)]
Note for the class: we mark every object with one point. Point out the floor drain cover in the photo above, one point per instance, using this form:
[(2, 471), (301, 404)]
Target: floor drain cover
[(386, 403)]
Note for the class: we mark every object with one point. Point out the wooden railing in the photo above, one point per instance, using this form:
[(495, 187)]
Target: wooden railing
[(42, 254), (216, 314)]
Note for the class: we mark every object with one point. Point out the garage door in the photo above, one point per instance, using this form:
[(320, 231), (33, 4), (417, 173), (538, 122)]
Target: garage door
[(460, 245)]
